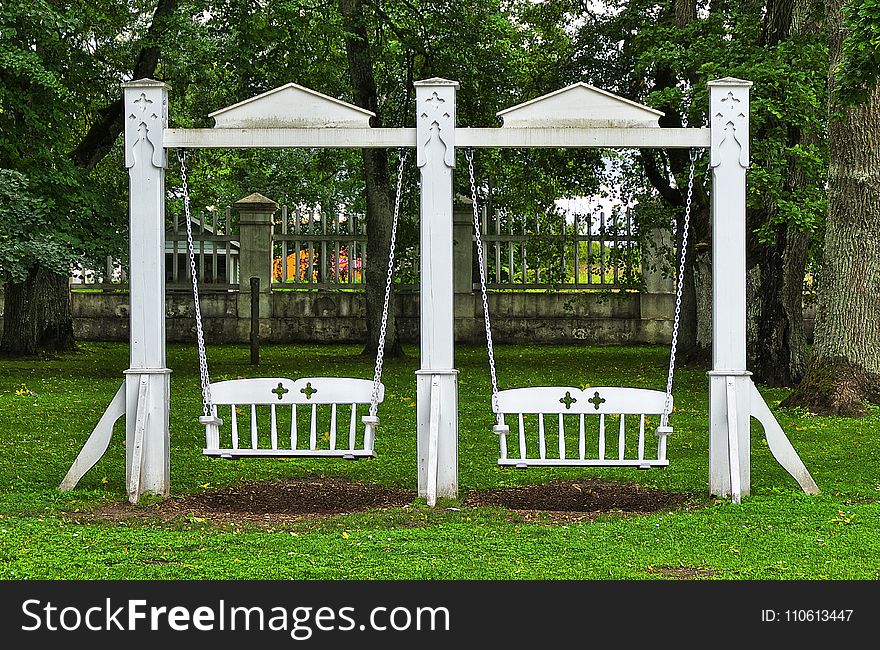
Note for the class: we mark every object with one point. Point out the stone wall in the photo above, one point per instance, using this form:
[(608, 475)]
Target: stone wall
[(339, 317)]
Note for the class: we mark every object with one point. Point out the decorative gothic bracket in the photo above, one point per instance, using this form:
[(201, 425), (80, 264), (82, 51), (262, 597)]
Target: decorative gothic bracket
[(146, 115), (435, 120), (729, 105)]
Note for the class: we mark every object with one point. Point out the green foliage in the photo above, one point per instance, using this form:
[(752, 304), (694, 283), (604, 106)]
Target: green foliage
[(790, 97), (59, 64), (23, 243), (48, 408), (234, 49), (858, 72), (667, 66)]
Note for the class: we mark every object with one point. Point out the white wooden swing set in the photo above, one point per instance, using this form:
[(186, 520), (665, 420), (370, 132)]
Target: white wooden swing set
[(293, 116)]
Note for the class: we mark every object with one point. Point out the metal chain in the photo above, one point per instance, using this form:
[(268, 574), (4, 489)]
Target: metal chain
[(469, 156), (204, 378), (380, 353), (664, 417)]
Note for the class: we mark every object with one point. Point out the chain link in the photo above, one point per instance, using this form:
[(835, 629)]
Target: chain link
[(204, 378), (664, 417), (481, 262), (389, 279)]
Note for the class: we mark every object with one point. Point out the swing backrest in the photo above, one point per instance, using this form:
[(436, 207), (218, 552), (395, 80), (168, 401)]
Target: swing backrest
[(579, 414), (284, 417)]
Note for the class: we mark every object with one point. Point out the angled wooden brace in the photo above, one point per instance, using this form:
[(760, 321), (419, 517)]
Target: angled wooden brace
[(779, 444), (97, 443)]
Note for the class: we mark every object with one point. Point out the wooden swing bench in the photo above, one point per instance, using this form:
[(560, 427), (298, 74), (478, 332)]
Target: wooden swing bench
[(284, 415), (586, 412)]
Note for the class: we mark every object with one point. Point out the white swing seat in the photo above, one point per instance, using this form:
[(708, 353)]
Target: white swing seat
[(584, 442), (291, 418)]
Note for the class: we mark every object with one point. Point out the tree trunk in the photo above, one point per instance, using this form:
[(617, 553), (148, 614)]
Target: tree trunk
[(777, 342), (776, 338), (38, 318), (695, 338), (376, 180), (697, 350), (844, 371)]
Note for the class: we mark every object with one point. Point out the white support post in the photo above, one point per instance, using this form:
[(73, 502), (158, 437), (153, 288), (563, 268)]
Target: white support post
[(146, 117), (729, 106), (435, 154), (733, 397)]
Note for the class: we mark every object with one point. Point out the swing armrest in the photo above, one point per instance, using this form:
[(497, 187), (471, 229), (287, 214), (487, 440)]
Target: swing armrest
[(370, 420)]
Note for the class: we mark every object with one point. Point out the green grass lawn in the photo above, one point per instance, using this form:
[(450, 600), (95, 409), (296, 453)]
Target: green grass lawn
[(48, 408)]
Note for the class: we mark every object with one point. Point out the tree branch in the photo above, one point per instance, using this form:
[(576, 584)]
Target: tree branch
[(111, 120), (405, 38), (659, 180)]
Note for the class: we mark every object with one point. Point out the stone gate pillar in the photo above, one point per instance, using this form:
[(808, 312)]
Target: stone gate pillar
[(255, 214)]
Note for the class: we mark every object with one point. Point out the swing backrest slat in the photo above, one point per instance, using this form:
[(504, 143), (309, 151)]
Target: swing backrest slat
[(352, 426), (254, 431)]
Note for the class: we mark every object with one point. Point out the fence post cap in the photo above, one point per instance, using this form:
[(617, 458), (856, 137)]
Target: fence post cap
[(255, 202), (462, 210)]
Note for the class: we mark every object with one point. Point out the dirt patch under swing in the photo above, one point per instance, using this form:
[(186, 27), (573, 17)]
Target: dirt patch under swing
[(311, 496), (267, 502), (577, 499)]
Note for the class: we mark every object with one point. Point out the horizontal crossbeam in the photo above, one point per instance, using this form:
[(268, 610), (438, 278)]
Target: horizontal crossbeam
[(279, 138), (580, 138), (464, 137)]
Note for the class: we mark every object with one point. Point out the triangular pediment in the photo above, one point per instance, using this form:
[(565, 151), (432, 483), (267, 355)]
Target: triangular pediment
[(294, 107), (730, 81), (580, 105)]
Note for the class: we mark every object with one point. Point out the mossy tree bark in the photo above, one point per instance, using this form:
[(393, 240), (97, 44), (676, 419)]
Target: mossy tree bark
[(376, 181), (844, 371)]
